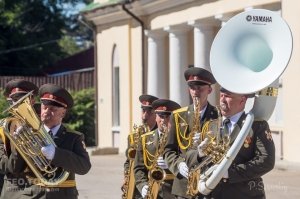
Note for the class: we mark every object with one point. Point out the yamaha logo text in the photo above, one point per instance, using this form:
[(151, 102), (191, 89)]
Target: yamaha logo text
[(262, 19)]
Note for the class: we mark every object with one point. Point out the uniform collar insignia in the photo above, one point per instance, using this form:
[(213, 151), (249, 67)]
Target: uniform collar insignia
[(247, 142), (269, 135)]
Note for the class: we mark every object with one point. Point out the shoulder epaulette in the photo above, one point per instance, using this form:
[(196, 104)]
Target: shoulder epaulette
[(148, 133), (181, 109)]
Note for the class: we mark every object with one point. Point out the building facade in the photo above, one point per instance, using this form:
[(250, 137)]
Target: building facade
[(143, 46)]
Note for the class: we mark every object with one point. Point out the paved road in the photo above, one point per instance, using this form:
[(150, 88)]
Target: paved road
[(105, 178)]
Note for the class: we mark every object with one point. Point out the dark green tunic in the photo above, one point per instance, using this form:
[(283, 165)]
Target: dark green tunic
[(70, 154), (173, 154)]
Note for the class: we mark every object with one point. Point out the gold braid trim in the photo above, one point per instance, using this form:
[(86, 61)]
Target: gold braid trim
[(147, 156), (2, 135), (131, 139), (205, 129), (181, 135)]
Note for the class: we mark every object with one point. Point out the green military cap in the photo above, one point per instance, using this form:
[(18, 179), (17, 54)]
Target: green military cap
[(164, 106), (55, 95), (146, 100), (19, 88), (198, 76)]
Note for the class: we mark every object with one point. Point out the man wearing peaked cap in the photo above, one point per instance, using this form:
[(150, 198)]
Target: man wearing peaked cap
[(55, 101), (17, 88), (199, 76), (223, 90), (146, 100), (14, 90), (254, 159), (179, 153), (153, 146), (148, 115), (148, 119), (164, 106), (51, 94), (69, 152)]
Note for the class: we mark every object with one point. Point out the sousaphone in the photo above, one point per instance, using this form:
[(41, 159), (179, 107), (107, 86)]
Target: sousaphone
[(248, 55)]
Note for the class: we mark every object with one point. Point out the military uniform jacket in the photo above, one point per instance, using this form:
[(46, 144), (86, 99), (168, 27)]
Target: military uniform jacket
[(150, 142), (173, 154), (136, 193), (129, 144), (255, 158), (70, 154), (2, 161)]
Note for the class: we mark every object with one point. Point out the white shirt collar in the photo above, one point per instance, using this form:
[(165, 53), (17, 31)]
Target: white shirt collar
[(201, 111), (233, 120), (54, 130)]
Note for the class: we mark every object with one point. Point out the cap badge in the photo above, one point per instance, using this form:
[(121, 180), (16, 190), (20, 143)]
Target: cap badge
[(247, 142), (146, 103)]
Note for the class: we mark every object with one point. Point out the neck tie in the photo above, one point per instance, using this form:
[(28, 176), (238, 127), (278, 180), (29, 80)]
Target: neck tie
[(225, 126), (50, 133), (226, 132)]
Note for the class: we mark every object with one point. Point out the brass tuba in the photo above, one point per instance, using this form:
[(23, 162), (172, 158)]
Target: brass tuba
[(30, 139)]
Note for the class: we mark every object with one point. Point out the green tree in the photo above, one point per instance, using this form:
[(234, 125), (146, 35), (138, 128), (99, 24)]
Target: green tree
[(31, 32), (82, 115), (80, 118), (3, 105)]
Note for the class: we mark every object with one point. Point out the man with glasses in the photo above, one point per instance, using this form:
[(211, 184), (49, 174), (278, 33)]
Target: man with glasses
[(14, 90)]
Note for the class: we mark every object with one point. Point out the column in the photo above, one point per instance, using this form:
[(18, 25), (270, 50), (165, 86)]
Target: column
[(178, 60), (215, 96), (203, 38), (157, 79)]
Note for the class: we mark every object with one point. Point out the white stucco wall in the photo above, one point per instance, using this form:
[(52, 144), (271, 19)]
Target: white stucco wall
[(127, 36)]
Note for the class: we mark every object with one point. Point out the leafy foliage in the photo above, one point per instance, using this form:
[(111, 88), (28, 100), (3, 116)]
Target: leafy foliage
[(31, 31), (3, 105), (82, 116)]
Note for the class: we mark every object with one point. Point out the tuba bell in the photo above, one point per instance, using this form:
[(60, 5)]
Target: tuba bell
[(247, 56), (30, 139)]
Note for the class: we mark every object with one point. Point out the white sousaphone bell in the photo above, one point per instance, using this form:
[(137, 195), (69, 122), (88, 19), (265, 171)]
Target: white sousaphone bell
[(247, 56)]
